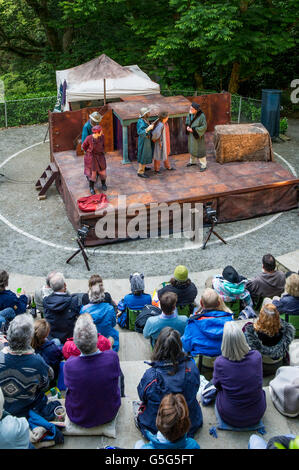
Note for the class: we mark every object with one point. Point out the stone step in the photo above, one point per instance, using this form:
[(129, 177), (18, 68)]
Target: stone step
[(127, 434)]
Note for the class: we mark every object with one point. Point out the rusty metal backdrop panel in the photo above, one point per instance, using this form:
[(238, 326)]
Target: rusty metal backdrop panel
[(216, 106), (65, 127)]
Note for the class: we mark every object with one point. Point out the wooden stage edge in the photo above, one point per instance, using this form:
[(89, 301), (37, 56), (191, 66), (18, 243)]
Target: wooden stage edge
[(237, 190)]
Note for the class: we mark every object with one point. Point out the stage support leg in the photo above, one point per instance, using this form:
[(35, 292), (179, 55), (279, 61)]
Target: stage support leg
[(125, 146)]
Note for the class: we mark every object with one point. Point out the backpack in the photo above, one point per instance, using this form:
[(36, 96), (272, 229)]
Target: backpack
[(146, 312), (122, 319)]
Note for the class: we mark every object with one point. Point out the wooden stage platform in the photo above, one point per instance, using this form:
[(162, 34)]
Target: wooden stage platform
[(238, 190)]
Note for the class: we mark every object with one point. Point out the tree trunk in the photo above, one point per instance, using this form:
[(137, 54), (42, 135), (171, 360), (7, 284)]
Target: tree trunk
[(234, 78), (199, 80), (67, 39)]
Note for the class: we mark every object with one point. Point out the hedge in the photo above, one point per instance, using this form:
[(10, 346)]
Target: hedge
[(26, 112)]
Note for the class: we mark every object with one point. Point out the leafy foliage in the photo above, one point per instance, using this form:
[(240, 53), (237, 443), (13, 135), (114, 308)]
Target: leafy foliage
[(185, 45), (283, 125)]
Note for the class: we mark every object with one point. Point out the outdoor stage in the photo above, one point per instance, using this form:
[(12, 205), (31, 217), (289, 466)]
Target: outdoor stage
[(237, 190)]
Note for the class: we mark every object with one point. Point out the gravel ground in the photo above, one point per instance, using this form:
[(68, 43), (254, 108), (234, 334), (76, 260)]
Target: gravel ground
[(47, 220)]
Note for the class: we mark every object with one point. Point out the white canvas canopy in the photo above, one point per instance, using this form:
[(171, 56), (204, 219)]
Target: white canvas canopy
[(86, 82)]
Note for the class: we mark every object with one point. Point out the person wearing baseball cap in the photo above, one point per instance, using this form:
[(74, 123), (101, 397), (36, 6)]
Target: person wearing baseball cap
[(94, 158), (145, 144), (94, 119), (196, 127)]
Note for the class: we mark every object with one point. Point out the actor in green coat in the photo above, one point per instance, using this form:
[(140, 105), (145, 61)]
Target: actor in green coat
[(196, 127), (145, 144)]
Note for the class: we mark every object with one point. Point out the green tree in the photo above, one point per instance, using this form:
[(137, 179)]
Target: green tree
[(239, 36)]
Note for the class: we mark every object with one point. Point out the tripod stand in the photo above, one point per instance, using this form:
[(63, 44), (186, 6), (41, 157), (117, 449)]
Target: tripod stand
[(214, 221), (82, 249)]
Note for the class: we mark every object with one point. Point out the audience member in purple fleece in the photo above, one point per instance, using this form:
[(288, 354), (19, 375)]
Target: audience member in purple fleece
[(92, 379), (238, 377)]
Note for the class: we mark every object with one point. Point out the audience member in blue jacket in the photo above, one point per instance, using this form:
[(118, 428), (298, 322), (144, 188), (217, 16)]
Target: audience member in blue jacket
[(289, 302), (173, 423), (171, 371), (9, 298), (168, 317), (103, 314), (137, 299), (204, 331), (49, 350)]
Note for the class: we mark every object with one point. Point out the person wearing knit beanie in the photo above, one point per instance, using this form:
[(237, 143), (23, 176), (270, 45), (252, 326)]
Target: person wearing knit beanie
[(180, 273), (137, 282), (182, 286)]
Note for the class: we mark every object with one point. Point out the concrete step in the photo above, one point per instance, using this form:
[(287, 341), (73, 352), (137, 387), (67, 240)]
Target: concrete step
[(127, 434), (118, 288), (133, 346), (289, 261)]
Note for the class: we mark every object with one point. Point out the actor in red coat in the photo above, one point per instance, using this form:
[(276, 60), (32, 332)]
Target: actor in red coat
[(94, 158)]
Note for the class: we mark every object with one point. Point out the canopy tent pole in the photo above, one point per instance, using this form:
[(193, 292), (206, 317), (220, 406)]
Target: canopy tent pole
[(104, 91)]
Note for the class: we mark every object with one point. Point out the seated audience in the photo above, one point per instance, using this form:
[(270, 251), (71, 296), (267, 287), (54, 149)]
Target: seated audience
[(173, 423), (137, 299), (24, 375), (168, 317), (93, 280), (10, 304), (102, 313), (182, 286), (171, 371), (70, 349), (14, 432), (60, 309), (46, 348), (269, 283), (91, 379), (289, 302), (238, 377), (271, 336), (231, 286), (203, 333)]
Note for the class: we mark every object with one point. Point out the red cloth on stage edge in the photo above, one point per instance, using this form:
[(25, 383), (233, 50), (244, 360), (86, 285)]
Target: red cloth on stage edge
[(92, 203)]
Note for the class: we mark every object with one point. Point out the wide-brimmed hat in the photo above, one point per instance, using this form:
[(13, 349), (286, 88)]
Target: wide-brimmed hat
[(95, 117), (96, 129), (230, 274), (144, 111), (180, 273)]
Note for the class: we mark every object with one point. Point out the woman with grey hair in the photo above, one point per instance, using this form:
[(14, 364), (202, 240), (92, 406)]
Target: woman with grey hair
[(238, 378), (24, 375), (92, 379), (102, 313)]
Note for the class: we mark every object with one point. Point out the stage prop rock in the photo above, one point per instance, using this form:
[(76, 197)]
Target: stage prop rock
[(242, 142)]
